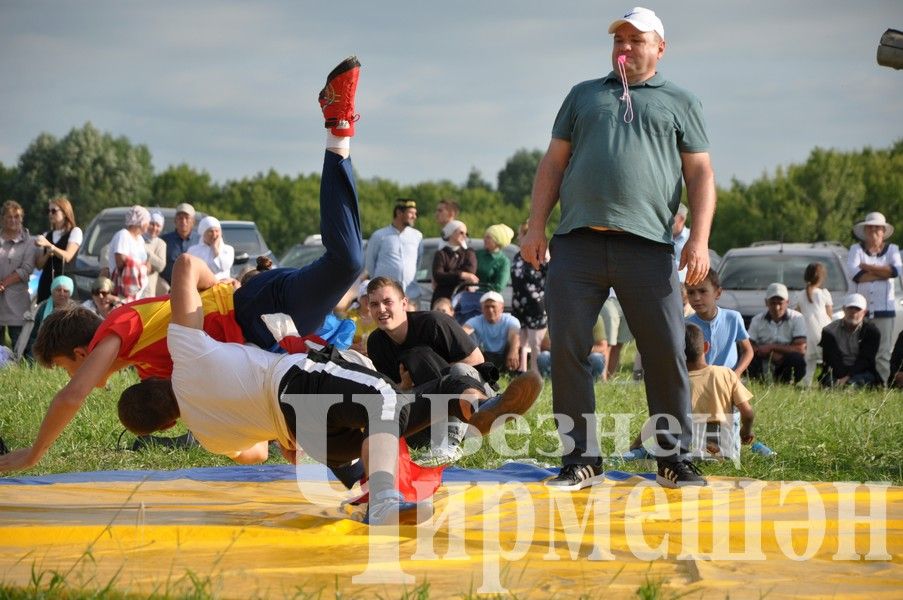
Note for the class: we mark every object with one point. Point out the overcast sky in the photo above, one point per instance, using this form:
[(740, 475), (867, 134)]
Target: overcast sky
[(230, 87)]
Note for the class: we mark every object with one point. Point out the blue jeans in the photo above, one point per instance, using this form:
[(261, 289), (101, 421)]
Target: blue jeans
[(596, 364), (585, 264), (310, 293)]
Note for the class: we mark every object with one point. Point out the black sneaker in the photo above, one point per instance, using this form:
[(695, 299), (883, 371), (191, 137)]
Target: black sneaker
[(576, 477), (679, 474)]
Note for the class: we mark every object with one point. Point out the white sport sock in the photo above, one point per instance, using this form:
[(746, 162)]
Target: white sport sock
[(336, 141)]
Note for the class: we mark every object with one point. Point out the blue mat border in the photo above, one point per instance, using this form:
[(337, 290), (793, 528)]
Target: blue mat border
[(512, 471)]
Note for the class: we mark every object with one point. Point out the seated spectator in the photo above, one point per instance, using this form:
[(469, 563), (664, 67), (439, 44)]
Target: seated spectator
[(497, 332), (896, 364), (454, 263), (716, 392), (778, 336), (102, 299), (444, 305), (364, 323), (596, 355), (213, 249), (849, 347)]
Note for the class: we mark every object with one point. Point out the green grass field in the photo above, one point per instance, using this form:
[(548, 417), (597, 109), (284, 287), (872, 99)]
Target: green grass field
[(818, 435)]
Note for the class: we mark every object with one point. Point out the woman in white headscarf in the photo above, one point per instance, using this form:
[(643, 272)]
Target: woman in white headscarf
[(218, 255), (128, 256)]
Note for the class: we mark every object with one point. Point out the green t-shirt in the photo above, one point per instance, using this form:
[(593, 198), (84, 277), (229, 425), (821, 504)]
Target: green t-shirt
[(626, 175)]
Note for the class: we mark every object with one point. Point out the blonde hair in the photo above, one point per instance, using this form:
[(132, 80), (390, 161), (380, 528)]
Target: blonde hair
[(11, 206)]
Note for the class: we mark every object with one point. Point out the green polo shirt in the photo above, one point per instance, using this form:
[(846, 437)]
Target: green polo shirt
[(626, 175)]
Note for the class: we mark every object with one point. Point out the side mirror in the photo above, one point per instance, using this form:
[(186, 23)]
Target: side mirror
[(241, 258)]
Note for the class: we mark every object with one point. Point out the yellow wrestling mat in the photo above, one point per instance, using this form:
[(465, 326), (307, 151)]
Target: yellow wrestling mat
[(271, 531)]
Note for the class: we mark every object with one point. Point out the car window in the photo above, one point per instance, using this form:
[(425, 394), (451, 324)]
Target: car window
[(243, 239), (300, 256), (100, 235), (757, 272)]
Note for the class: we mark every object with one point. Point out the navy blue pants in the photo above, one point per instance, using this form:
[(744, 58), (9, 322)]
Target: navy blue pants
[(584, 265), (308, 294)]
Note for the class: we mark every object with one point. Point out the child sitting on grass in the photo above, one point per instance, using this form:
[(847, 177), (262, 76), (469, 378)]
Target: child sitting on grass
[(715, 392)]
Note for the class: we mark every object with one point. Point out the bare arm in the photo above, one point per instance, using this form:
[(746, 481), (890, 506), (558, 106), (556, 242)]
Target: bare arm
[(546, 186), (474, 358), (257, 453), (66, 254), (92, 373), (700, 180), (513, 358), (747, 416), (745, 356)]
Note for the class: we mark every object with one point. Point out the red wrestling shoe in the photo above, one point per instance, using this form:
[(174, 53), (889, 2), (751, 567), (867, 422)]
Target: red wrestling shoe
[(337, 98)]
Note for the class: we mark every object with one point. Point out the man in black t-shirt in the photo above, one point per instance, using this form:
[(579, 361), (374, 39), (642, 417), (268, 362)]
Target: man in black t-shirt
[(431, 337)]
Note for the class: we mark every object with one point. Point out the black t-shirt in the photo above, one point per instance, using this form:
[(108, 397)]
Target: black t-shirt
[(425, 328)]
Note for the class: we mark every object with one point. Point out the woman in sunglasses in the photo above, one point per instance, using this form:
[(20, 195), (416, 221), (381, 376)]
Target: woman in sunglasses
[(102, 299), (58, 246)]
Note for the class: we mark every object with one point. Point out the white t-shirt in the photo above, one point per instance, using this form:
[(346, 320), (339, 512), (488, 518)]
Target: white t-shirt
[(75, 236), (123, 243), (228, 393)]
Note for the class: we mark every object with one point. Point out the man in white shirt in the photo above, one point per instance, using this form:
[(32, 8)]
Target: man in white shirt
[(395, 250), (778, 337)]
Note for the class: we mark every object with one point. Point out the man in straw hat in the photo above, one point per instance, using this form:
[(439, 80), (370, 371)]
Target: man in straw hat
[(873, 264)]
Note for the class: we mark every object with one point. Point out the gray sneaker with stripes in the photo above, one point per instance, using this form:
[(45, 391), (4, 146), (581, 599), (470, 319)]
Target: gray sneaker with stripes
[(576, 477)]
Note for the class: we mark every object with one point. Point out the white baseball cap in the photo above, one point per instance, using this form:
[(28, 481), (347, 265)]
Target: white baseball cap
[(641, 18), (776, 289), (492, 296), (855, 300)]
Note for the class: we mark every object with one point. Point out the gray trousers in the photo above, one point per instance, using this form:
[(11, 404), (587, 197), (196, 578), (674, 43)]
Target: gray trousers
[(584, 265)]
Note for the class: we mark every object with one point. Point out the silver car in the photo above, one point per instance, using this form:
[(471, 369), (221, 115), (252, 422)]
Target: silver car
[(746, 272)]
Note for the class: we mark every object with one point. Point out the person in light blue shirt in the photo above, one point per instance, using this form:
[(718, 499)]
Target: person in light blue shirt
[(395, 250), (497, 332), (723, 328)]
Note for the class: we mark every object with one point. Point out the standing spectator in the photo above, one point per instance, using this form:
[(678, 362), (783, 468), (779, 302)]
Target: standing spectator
[(156, 256), (874, 264), (850, 345), (395, 250), (180, 240), (446, 210), (493, 266), (817, 308), (17, 255), (213, 249), (102, 299), (528, 305), (498, 333), (778, 336), (59, 244), (454, 263), (680, 233), (128, 256), (617, 333), (620, 146)]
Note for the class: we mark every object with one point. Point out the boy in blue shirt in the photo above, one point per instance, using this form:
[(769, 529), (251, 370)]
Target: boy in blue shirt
[(723, 328)]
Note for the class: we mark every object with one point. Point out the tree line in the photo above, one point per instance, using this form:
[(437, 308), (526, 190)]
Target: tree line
[(818, 200)]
